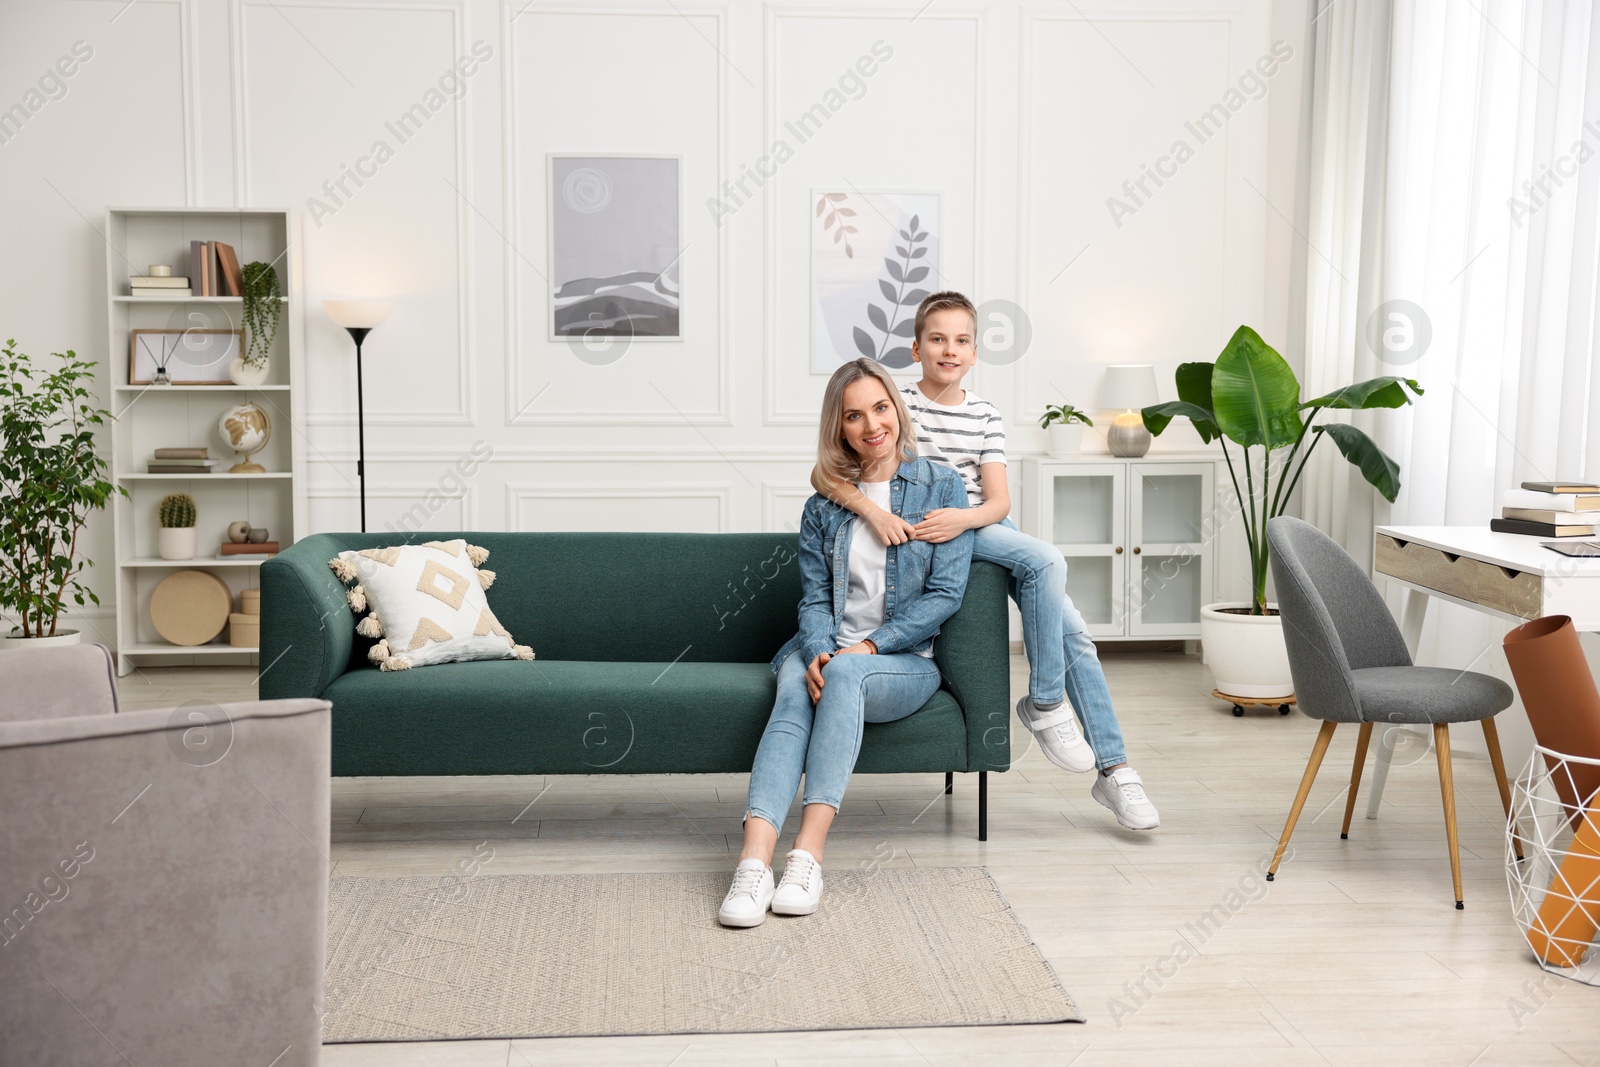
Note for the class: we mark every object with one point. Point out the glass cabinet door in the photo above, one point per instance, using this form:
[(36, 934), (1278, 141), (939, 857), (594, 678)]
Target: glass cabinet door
[(1085, 519), (1171, 514)]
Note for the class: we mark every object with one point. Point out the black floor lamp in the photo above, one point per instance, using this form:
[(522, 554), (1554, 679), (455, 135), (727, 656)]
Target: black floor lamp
[(359, 317)]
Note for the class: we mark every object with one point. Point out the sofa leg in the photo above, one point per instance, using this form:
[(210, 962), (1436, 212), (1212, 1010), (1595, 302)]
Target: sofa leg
[(949, 782), (983, 805)]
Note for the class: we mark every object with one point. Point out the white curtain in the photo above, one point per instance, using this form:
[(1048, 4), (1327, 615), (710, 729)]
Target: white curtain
[(1455, 163)]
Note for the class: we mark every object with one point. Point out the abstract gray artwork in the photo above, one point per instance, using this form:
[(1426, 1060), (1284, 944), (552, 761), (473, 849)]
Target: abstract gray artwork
[(614, 246)]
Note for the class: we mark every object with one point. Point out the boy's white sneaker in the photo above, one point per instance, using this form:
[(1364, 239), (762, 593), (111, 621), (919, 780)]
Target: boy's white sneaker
[(1058, 735), (749, 897), (800, 891), (1123, 792)]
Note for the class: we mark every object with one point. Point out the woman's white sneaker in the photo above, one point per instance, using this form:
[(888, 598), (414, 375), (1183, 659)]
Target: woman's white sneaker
[(1058, 735), (800, 891), (1123, 792), (749, 897)]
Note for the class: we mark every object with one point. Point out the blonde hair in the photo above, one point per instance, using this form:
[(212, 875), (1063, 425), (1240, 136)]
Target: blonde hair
[(949, 300), (837, 463)]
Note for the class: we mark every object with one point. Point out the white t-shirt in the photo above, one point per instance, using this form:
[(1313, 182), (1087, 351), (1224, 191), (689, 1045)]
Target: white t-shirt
[(962, 436), (869, 568)]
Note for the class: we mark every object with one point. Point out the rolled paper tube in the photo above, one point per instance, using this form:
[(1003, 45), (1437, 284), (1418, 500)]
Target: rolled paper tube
[(1562, 702), (1570, 914)]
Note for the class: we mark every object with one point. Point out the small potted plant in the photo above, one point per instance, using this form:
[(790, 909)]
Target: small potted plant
[(263, 312), (1065, 425), (177, 539), (51, 479)]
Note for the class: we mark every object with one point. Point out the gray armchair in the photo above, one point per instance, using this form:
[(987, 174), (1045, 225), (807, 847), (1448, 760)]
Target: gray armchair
[(1350, 665), (164, 874)]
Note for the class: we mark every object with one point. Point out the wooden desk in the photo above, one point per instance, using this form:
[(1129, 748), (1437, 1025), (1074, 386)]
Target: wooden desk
[(1511, 576)]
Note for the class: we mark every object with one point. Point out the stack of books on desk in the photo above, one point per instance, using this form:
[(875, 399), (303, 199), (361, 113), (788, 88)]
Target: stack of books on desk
[(181, 461), (1550, 509)]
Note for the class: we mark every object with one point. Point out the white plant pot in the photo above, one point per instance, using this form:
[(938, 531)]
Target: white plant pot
[(247, 374), (176, 542), (1065, 440), (14, 641), (1246, 653)]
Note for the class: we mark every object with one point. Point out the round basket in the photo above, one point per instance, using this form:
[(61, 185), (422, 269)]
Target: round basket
[(190, 607), (1555, 886)]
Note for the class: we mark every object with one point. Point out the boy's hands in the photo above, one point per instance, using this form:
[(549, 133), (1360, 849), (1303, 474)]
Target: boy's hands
[(890, 528), (941, 524)]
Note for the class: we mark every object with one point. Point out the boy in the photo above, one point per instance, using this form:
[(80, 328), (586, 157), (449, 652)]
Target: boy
[(962, 430)]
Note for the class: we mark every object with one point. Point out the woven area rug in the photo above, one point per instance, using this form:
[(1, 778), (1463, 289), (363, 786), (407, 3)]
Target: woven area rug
[(413, 959)]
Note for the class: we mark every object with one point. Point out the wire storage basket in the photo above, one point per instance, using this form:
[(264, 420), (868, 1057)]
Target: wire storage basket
[(1555, 882)]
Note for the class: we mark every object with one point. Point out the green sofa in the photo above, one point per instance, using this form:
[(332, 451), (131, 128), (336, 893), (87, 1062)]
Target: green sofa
[(652, 658)]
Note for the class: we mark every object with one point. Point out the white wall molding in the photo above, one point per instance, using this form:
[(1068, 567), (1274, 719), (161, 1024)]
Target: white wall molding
[(631, 493)]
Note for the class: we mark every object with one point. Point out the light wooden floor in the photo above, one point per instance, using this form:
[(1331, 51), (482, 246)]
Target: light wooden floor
[(1355, 955)]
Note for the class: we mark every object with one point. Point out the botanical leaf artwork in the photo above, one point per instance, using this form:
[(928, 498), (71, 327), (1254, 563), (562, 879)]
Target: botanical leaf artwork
[(874, 259)]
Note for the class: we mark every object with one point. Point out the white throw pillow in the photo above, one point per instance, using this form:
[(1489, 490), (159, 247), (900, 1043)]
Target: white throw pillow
[(427, 604)]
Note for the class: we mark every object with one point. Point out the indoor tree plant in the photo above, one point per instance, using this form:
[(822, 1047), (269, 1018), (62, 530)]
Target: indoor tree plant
[(1250, 396), (1065, 425), (51, 479), (177, 539), (262, 314)]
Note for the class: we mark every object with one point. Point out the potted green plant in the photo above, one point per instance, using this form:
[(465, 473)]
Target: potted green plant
[(1250, 396), (262, 314), (177, 539), (1065, 424), (51, 479)]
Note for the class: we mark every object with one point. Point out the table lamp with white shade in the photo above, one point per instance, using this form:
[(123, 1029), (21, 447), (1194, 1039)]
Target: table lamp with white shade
[(359, 317), (1127, 389)]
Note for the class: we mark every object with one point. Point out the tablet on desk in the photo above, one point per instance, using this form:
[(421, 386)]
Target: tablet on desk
[(1574, 548)]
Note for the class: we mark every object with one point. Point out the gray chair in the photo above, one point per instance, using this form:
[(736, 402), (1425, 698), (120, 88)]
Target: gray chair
[(164, 873), (1350, 665)]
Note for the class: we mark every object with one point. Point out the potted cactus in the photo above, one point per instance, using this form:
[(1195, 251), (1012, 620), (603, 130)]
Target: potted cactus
[(1064, 423), (177, 539)]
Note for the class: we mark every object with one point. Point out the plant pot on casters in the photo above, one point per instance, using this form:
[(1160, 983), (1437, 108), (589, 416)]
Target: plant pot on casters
[(1251, 397)]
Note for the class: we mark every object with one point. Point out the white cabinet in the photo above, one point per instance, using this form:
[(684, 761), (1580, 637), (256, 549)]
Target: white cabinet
[(1138, 536)]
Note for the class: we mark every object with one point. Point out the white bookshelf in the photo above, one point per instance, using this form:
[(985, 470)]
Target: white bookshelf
[(150, 417)]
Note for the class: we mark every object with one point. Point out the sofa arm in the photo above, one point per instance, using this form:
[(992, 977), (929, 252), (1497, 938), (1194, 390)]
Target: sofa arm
[(973, 651), (307, 628)]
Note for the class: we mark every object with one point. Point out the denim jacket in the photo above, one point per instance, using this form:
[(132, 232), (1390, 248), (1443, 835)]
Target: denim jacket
[(925, 581)]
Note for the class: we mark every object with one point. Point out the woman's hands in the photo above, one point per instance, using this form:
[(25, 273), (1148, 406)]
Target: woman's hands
[(942, 524), (814, 680)]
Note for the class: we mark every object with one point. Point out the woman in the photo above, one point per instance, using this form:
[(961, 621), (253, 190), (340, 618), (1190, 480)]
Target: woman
[(864, 653)]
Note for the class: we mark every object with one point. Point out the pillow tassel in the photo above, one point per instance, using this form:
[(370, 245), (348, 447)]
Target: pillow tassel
[(343, 569), (370, 626), (358, 599), (522, 651), (378, 652), (485, 578), (395, 663), (477, 555)]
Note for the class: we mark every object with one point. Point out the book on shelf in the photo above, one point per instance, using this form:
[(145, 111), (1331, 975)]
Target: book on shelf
[(1557, 518), (1565, 486), (1533, 498), (201, 260), (232, 283), (158, 281), (185, 462), (249, 548), (256, 556), (160, 294), (1540, 529), (176, 468), (187, 452)]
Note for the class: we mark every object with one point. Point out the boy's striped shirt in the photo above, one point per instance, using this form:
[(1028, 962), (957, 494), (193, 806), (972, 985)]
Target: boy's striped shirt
[(962, 436)]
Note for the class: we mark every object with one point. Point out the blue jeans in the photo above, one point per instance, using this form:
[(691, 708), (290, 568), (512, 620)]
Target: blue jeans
[(1062, 659), (824, 739)]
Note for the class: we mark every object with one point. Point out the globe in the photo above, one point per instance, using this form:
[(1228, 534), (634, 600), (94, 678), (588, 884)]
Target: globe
[(247, 429)]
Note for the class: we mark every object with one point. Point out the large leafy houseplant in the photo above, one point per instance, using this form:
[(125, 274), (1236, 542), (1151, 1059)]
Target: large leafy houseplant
[(1251, 397), (51, 479)]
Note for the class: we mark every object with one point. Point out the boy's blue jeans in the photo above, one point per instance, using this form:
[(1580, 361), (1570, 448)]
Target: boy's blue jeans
[(824, 739), (1062, 659)]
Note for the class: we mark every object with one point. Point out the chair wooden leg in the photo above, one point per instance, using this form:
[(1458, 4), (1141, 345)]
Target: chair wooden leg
[(1318, 750), (1491, 737), (1362, 739), (1447, 788)]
